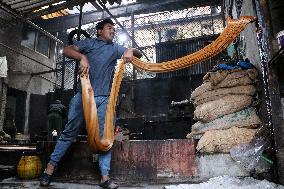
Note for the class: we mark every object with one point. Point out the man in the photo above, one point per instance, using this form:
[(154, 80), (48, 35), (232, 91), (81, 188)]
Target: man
[(97, 58), (55, 118)]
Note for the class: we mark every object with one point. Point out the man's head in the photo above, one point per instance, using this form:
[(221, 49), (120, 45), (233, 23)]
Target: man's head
[(105, 29)]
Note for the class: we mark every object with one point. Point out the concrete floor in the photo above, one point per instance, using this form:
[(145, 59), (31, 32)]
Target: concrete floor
[(221, 182), (13, 183)]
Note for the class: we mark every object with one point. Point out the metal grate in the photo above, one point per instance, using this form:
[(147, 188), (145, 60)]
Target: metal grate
[(153, 32), (67, 67), (163, 36)]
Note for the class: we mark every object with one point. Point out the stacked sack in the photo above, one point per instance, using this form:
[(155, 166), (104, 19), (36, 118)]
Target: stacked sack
[(223, 108)]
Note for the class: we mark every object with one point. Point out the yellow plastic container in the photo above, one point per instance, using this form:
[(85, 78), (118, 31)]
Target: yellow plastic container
[(29, 167)]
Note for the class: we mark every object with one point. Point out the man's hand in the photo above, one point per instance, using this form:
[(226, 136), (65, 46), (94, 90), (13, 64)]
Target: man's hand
[(128, 55), (84, 66), (72, 51)]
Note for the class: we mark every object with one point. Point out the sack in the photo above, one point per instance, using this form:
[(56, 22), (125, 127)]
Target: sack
[(226, 105), (224, 140), (218, 76), (201, 89), (245, 77), (241, 78), (245, 118), (221, 92)]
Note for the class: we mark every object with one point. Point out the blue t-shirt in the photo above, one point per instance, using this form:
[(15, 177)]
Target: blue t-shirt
[(102, 58)]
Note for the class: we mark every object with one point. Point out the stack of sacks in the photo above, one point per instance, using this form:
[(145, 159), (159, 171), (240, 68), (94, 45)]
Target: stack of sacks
[(223, 109)]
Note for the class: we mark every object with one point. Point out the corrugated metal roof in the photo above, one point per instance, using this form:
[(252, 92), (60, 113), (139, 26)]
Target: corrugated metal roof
[(37, 8), (56, 14)]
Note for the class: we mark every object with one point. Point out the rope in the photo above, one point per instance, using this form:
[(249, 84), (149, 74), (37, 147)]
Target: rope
[(230, 33)]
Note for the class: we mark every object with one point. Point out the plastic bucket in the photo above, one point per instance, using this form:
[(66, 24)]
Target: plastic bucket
[(29, 167)]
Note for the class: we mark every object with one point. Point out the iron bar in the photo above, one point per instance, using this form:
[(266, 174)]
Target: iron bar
[(44, 72), (62, 77), (78, 39), (264, 52), (133, 41), (277, 55)]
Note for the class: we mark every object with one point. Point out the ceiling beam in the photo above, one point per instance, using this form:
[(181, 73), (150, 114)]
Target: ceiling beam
[(25, 3), (67, 4), (32, 7), (65, 22), (13, 2)]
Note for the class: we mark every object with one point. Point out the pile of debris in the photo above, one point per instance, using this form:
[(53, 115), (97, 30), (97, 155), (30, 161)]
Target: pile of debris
[(224, 108), (4, 137)]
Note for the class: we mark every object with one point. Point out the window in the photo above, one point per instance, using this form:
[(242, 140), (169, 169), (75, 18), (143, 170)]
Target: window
[(28, 38), (42, 44), (36, 40)]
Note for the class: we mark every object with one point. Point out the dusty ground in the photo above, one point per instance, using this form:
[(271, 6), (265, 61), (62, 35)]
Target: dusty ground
[(13, 183), (221, 182)]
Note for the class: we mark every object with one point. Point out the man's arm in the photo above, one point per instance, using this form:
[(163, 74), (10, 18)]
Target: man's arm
[(73, 52), (129, 53)]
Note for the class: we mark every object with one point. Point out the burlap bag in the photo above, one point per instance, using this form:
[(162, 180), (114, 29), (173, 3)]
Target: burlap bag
[(226, 105), (224, 140), (241, 78), (201, 89), (245, 118), (218, 76), (245, 77), (221, 92)]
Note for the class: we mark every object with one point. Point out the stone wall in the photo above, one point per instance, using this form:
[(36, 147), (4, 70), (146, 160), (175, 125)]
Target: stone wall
[(23, 61)]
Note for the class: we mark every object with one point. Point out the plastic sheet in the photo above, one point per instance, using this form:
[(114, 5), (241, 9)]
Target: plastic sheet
[(248, 155)]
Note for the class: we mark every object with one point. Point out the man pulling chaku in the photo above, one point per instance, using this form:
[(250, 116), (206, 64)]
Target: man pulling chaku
[(98, 59)]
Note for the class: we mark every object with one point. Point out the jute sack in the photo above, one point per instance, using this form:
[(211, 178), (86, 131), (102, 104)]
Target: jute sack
[(218, 76), (226, 105), (201, 89), (244, 77), (224, 140), (221, 92), (245, 118)]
